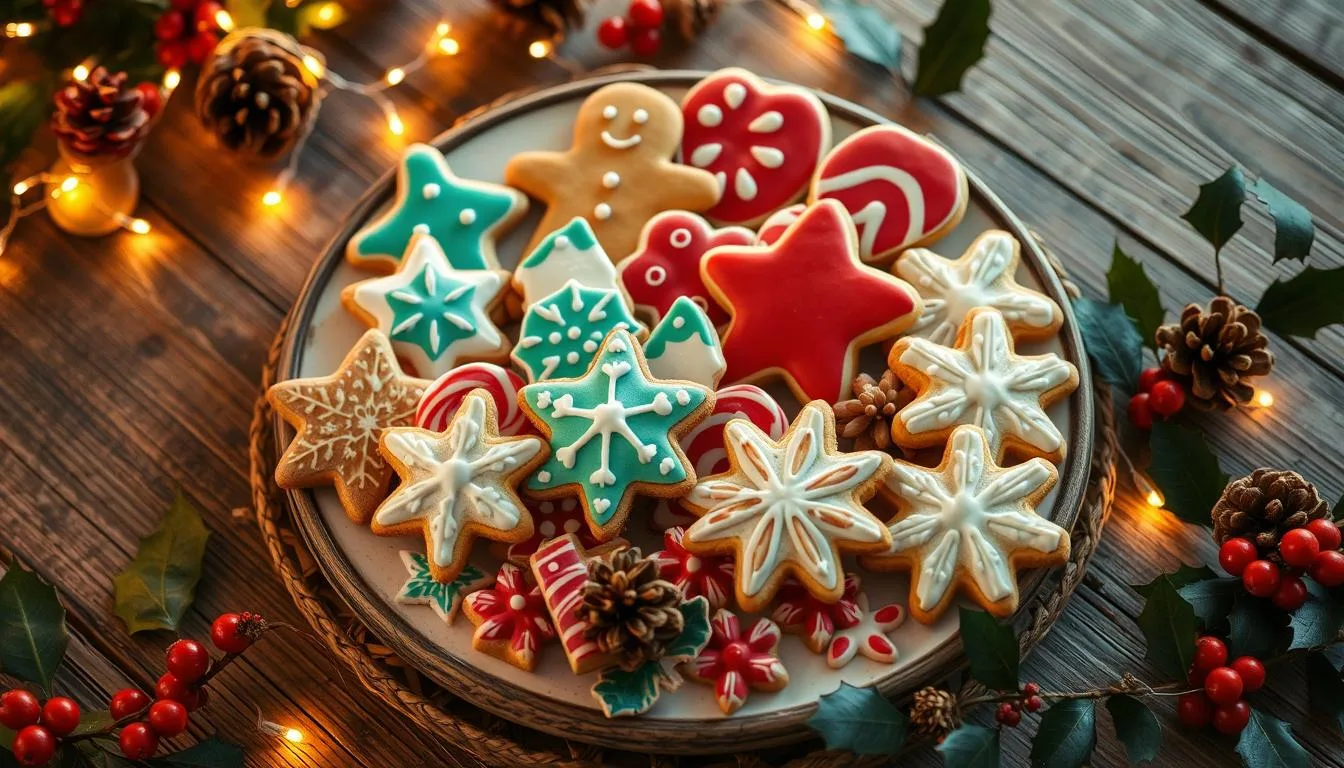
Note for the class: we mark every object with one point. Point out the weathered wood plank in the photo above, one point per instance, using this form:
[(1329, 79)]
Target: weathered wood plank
[(1312, 29)]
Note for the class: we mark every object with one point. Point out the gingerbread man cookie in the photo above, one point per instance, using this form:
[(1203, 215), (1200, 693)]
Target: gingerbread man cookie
[(666, 267), (619, 171)]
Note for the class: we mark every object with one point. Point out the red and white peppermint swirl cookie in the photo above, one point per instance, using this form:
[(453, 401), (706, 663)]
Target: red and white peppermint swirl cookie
[(901, 189), (761, 142), (443, 397), (666, 266)]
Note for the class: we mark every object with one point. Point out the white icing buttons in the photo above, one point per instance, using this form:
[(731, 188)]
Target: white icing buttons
[(430, 191), (609, 112), (602, 212), (420, 229), (611, 179), (467, 217), (641, 116), (709, 115)]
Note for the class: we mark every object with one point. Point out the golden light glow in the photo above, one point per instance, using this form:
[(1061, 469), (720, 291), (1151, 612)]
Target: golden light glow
[(19, 29), (816, 21), (223, 20), (293, 736), (395, 75), (442, 28), (1264, 399), (171, 79), (80, 72), (394, 124), (539, 49), (449, 46), (69, 183), (326, 13), (1155, 499), (271, 198), (138, 226), (311, 64), (21, 188)]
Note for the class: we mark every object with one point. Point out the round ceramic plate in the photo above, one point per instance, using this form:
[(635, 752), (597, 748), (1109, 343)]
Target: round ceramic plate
[(368, 571)]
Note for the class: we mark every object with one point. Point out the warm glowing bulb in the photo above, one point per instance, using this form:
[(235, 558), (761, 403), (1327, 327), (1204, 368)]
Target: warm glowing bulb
[(816, 21), (223, 20), (80, 72), (1155, 499), (326, 13), (449, 46), (539, 49), (21, 187), (139, 226), (171, 79), (1264, 399), (395, 125), (293, 736), (19, 29), (69, 184), (395, 75), (271, 198), (311, 63), (442, 29)]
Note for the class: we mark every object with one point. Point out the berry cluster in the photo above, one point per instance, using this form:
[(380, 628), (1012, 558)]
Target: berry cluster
[(640, 28), (1219, 702), (1313, 549), (1009, 713), (64, 13), (1158, 394), (39, 726), (187, 31)]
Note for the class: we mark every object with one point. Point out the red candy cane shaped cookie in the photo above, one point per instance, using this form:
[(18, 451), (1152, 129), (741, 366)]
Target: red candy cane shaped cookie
[(901, 189), (666, 265), (761, 142), (443, 397)]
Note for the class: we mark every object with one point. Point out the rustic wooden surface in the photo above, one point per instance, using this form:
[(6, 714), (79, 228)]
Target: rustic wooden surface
[(128, 365)]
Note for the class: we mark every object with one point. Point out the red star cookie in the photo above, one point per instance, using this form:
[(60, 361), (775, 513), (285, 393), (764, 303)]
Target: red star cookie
[(803, 306)]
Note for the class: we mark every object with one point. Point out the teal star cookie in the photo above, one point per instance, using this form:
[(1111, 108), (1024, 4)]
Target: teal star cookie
[(465, 216), (560, 334), (614, 432)]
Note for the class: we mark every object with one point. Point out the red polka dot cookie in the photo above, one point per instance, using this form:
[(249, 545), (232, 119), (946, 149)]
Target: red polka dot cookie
[(666, 265)]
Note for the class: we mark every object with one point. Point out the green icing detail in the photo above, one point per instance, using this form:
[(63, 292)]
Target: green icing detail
[(579, 234), (421, 588), (561, 334), (633, 692), (433, 312), (694, 322), (695, 629)]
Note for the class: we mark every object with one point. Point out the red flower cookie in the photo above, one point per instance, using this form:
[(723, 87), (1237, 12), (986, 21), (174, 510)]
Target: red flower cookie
[(804, 305), (761, 142), (901, 189), (735, 662), (666, 266), (868, 637), (511, 619), (798, 612), (707, 575)]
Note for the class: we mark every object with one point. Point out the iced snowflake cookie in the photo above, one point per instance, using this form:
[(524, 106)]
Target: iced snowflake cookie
[(981, 381), (736, 662), (614, 434), (788, 508), (569, 253), (436, 316), (445, 396), (464, 216), (619, 171), (969, 524), (666, 266), (684, 345), (561, 333), (804, 305), (984, 276), (339, 419), (511, 619), (762, 142), (457, 485), (902, 189)]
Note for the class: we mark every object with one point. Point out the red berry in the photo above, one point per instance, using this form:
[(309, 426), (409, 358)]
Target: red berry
[(613, 32), (127, 702), (645, 13), (1033, 703), (169, 687), (1007, 715), (172, 54), (1261, 578), (1194, 710), (1223, 686), (34, 745), (168, 718), (169, 25), (19, 709), (206, 15), (1232, 719), (1326, 532), (138, 741), (224, 634), (151, 98), (1299, 547), (1031, 689), (646, 41), (1291, 594), (200, 46), (65, 15), (1252, 672), (1149, 377), (1328, 568), (1140, 412), (188, 660), (60, 715), (1210, 653), (1167, 398), (1236, 554)]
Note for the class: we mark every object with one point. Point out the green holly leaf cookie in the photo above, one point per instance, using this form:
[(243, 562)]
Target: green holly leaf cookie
[(445, 599)]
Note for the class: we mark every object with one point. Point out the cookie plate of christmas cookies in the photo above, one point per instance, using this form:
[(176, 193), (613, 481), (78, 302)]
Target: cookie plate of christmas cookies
[(649, 409)]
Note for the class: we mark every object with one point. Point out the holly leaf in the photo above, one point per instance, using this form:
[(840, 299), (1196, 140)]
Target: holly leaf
[(1318, 621), (211, 753), (93, 722), (1325, 687), (1304, 303), (1267, 742), (865, 31), (1186, 471), (1136, 727), (158, 586), (24, 105), (991, 649), (1293, 230), (1066, 736), (1255, 628), (1130, 287), (1186, 574), (1216, 212), (695, 630), (953, 43), (33, 635), (859, 720), (1169, 627), (1211, 599), (94, 755), (629, 692), (971, 746), (1111, 340)]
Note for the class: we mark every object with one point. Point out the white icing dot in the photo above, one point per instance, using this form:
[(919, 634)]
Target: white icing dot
[(655, 275), (709, 115), (705, 154), (569, 503), (544, 401), (430, 191), (517, 602), (572, 358), (544, 476), (641, 116), (596, 335), (678, 322), (602, 212), (552, 567), (467, 217), (692, 564), (590, 346), (561, 242), (554, 337), (665, 466), (609, 112), (573, 333), (571, 526), (734, 94), (681, 237), (420, 229), (683, 397), (547, 528), (546, 508), (767, 122), (611, 179), (768, 156), (744, 184)]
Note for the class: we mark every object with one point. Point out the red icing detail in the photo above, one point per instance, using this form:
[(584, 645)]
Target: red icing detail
[(881, 645), (798, 612), (442, 398), (773, 227), (803, 306), (561, 571), (771, 139), (708, 575), (666, 265), (888, 614), (512, 610), (736, 662), (553, 517)]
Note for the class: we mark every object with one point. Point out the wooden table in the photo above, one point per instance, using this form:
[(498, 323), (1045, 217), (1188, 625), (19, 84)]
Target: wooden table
[(128, 365)]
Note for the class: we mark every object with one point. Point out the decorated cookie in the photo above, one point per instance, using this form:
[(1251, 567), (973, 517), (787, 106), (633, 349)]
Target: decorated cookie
[(969, 524), (561, 569), (816, 621), (614, 434), (445, 598), (557, 517), (981, 381), (561, 333), (902, 189), (623, 692), (464, 216), (666, 266), (339, 419), (685, 346), (804, 305), (868, 638), (457, 485), (435, 315), (984, 276), (788, 507), (777, 222), (736, 662), (511, 619), (445, 396), (570, 253), (762, 142), (696, 575), (619, 171)]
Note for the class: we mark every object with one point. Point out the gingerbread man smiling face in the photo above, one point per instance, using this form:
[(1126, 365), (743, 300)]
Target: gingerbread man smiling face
[(619, 171)]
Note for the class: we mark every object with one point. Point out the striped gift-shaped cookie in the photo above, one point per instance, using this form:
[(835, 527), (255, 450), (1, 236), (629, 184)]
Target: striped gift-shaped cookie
[(561, 568)]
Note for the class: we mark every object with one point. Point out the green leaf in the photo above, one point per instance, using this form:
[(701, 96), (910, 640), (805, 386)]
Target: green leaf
[(1066, 736), (1111, 340), (24, 105), (629, 692), (93, 722), (991, 649), (860, 720), (1293, 230), (1186, 471), (1318, 621), (1136, 727), (1216, 212), (953, 43), (1303, 304), (1169, 627), (211, 753), (1325, 687), (1130, 287), (971, 746), (157, 587), (1255, 627), (1186, 574), (695, 630), (865, 31), (1211, 599), (1268, 742), (33, 636)]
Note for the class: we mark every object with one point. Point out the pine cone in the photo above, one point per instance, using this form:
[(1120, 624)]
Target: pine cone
[(934, 712), (1263, 506), (556, 17), (255, 95), (100, 116), (867, 418), (1215, 352), (690, 18), (631, 611)]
